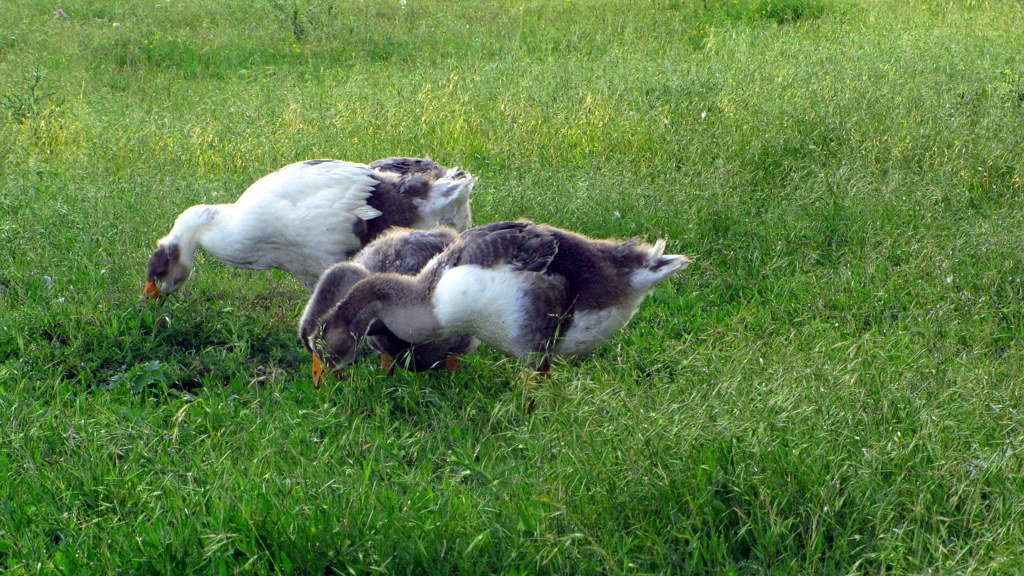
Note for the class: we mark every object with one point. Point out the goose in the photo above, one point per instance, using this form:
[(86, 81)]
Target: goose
[(529, 291), (399, 251), (306, 216)]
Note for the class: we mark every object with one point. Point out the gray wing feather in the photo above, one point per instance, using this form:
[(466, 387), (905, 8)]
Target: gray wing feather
[(401, 165), (521, 245), (407, 253)]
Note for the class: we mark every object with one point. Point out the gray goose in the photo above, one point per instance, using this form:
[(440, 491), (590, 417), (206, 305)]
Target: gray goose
[(399, 251), (309, 215), (527, 290)]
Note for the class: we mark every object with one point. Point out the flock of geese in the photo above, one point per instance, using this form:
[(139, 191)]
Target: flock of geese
[(389, 254)]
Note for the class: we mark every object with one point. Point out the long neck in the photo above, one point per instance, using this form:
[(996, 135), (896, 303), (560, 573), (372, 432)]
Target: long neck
[(214, 228), (333, 286), (398, 302)]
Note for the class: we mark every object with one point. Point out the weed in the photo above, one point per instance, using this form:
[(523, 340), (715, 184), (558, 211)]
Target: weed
[(789, 11), (303, 17), (29, 100), (780, 12), (143, 378), (1012, 84)]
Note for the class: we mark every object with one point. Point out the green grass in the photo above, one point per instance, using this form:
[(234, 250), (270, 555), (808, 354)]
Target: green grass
[(834, 387)]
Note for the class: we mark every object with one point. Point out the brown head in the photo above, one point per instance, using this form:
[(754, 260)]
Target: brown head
[(332, 287), (369, 309), (335, 337), (166, 271), (335, 343)]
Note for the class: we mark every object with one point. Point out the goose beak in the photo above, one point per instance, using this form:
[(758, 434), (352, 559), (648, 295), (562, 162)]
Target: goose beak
[(150, 291), (318, 372)]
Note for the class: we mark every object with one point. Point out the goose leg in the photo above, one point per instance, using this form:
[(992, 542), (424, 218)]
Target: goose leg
[(544, 369), (452, 362), (539, 370), (387, 361)]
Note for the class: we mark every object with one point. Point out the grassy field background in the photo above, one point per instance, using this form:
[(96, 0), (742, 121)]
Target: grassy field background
[(834, 387)]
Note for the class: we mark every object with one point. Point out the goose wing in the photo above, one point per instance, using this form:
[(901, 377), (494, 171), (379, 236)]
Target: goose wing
[(518, 245), (404, 251), (316, 185), (400, 165)]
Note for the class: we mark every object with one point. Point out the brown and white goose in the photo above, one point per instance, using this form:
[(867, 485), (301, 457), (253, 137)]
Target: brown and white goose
[(527, 290), (399, 251), (309, 215)]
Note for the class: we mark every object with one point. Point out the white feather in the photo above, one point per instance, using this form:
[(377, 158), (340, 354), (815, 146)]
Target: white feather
[(367, 212), (485, 302), (646, 278), (591, 328), (343, 185)]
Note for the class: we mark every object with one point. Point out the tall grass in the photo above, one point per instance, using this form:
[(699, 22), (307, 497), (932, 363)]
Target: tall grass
[(833, 387)]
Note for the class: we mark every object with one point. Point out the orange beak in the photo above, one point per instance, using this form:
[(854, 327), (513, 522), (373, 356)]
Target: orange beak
[(318, 372), (150, 291)]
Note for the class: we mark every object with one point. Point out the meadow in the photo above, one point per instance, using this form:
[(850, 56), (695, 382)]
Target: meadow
[(833, 387)]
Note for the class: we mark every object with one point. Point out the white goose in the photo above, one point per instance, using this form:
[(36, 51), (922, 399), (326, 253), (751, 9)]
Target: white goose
[(309, 215)]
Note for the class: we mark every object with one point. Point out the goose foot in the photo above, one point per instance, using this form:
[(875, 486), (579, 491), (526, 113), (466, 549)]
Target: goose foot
[(541, 372), (387, 361), (452, 363)]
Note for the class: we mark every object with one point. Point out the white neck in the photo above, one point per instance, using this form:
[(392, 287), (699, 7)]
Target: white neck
[(202, 225)]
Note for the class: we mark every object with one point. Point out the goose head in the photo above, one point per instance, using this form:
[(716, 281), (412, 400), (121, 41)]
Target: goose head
[(166, 272), (333, 345), (170, 266), (333, 285), (380, 305)]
